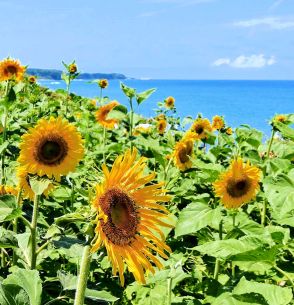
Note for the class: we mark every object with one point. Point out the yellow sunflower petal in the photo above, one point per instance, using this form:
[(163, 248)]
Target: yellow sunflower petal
[(130, 209)]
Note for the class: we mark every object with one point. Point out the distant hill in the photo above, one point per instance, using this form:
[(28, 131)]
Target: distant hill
[(56, 74)]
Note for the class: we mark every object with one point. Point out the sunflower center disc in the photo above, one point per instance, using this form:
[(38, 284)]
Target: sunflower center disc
[(238, 188), (11, 70), (185, 153), (199, 129), (121, 225), (51, 151)]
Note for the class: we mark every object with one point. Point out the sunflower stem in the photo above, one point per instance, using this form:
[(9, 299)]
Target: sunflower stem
[(234, 218), (216, 269), (131, 121), (68, 94), (15, 224), (169, 290), (83, 276), (104, 140), (167, 168), (270, 144), (263, 213), (286, 275), (217, 261), (4, 150), (34, 232), (100, 98)]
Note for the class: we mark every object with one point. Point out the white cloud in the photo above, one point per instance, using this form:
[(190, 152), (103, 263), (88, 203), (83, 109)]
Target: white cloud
[(242, 61), (272, 22), (276, 4)]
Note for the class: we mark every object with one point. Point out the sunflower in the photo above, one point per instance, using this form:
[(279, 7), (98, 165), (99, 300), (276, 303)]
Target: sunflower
[(93, 102), (72, 68), (238, 185), (161, 126), (24, 184), (182, 153), (202, 128), (7, 190), (129, 217), (217, 122), (229, 131), (32, 79), (103, 83), (11, 69), (169, 102), (53, 148), (160, 117), (103, 111), (280, 118)]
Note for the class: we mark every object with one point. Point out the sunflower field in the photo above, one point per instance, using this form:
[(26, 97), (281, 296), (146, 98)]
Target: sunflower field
[(100, 205)]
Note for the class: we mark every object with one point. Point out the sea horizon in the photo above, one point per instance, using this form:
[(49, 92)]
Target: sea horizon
[(252, 102)]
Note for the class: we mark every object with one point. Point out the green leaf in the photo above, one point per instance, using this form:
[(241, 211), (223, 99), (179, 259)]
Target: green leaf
[(279, 191), (196, 216), (227, 248), (228, 299), (7, 239), (8, 208), (141, 97), (39, 184), (128, 91), (273, 295), (13, 295), (286, 131), (23, 243), (69, 282), (11, 95), (260, 254), (101, 295), (29, 281)]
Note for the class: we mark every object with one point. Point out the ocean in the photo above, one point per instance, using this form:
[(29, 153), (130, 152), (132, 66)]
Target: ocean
[(240, 102)]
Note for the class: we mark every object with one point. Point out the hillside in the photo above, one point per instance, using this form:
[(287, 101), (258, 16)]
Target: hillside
[(56, 74)]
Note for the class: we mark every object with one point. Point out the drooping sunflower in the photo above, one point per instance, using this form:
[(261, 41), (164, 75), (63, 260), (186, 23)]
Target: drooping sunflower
[(103, 83), (217, 122), (160, 117), (161, 126), (229, 131), (129, 217), (102, 113), (32, 79), (11, 69), (72, 68), (238, 185), (183, 153), (202, 128), (52, 148), (24, 184), (169, 102), (7, 190)]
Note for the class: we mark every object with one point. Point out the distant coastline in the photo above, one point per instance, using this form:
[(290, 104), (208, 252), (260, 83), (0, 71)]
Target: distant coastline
[(53, 74)]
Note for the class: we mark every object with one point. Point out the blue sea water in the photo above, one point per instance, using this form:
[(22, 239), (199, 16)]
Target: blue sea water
[(240, 102)]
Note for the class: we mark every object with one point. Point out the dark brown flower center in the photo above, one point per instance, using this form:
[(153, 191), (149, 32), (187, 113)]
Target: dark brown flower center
[(11, 70), (238, 188), (51, 151), (185, 153), (121, 225), (199, 129)]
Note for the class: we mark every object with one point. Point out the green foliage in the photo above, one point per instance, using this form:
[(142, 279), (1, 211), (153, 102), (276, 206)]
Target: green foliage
[(252, 247)]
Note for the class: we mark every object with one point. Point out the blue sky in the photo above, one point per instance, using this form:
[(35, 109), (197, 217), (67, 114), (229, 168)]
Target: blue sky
[(178, 39)]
